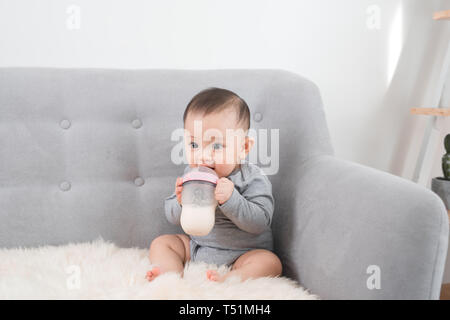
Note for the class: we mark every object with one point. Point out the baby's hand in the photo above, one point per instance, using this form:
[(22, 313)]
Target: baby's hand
[(224, 189), (179, 188)]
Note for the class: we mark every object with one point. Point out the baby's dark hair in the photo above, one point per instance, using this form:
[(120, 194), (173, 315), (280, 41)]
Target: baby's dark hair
[(215, 100)]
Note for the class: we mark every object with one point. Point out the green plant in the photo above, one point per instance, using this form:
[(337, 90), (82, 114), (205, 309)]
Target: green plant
[(446, 158)]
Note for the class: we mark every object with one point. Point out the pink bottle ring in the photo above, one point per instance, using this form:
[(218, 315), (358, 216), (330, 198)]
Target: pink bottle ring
[(201, 174)]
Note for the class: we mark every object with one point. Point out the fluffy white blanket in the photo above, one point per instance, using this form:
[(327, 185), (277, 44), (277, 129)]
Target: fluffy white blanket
[(101, 270)]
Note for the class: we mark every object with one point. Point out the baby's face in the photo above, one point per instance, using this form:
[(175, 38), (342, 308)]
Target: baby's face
[(215, 141)]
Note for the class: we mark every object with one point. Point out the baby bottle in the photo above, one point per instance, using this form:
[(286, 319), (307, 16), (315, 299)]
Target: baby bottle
[(198, 201)]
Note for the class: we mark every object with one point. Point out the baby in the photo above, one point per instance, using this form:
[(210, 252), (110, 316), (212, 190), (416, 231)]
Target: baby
[(242, 236)]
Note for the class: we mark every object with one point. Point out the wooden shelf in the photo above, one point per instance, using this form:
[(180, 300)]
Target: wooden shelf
[(442, 15), (445, 291), (445, 112)]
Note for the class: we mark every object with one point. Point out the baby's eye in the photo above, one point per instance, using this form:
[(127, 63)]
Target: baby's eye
[(193, 145), (217, 146)]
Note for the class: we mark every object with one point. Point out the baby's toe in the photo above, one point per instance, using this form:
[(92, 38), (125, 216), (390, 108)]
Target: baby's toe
[(152, 274), (212, 275)]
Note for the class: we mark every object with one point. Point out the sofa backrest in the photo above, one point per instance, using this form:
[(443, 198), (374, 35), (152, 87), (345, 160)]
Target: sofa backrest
[(86, 153)]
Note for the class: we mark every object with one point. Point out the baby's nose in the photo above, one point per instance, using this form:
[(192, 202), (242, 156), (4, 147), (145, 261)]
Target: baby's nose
[(207, 156)]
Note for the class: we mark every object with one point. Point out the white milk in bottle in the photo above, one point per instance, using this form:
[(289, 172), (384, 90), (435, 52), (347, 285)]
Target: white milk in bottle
[(198, 201)]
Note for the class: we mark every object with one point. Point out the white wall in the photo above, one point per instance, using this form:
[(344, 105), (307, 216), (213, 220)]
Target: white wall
[(328, 41), (369, 77)]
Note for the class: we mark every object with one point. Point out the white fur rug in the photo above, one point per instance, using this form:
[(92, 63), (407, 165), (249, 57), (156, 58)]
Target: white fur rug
[(100, 270)]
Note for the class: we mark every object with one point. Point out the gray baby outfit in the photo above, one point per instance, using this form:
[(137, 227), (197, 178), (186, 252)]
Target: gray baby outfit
[(242, 223)]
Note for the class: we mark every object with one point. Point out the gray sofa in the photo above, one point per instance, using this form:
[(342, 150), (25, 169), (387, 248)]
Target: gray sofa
[(87, 153)]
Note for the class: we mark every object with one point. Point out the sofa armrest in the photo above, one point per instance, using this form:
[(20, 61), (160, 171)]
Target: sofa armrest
[(354, 223)]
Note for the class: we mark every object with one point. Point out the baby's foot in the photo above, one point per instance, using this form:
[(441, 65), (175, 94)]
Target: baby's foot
[(213, 275), (152, 274)]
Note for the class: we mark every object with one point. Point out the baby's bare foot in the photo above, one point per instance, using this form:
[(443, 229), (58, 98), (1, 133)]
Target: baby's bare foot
[(213, 275), (152, 274)]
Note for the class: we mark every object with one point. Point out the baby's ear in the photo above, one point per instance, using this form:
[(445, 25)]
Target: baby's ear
[(250, 141)]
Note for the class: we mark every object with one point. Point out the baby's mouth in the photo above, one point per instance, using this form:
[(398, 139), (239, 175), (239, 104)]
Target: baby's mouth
[(205, 165)]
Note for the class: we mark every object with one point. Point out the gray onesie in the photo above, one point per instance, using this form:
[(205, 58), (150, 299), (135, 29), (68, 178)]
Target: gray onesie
[(243, 222)]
